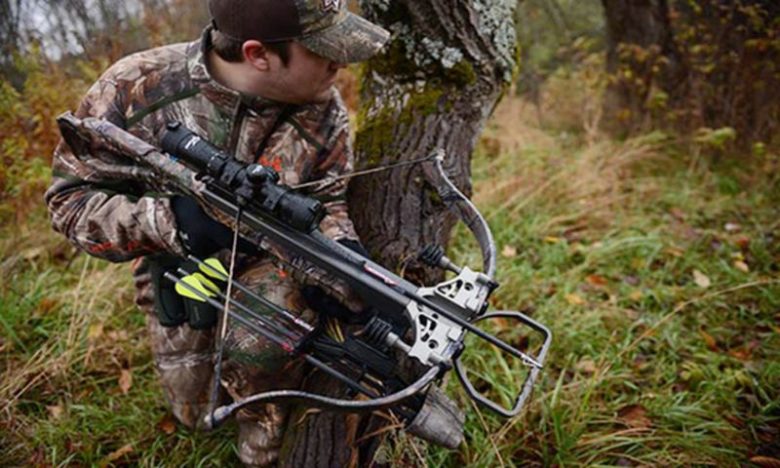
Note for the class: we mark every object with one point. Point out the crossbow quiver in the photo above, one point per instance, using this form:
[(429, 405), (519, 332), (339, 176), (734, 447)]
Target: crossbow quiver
[(429, 324)]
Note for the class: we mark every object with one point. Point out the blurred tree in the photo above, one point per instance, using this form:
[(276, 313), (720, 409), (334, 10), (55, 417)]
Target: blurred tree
[(90, 30), (688, 64)]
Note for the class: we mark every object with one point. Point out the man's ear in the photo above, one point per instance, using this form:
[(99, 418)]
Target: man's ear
[(256, 54)]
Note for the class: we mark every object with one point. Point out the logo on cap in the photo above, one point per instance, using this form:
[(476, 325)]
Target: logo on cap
[(331, 5)]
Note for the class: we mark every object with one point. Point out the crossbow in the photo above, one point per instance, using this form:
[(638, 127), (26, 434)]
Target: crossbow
[(428, 324)]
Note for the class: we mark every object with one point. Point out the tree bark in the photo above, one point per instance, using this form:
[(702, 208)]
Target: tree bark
[(434, 87)]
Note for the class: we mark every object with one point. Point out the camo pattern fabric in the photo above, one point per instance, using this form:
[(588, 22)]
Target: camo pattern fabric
[(112, 208)]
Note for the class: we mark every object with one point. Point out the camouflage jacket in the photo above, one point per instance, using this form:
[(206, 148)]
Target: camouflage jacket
[(111, 208)]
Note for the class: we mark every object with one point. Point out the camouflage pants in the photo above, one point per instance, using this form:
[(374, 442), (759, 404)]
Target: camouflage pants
[(185, 362)]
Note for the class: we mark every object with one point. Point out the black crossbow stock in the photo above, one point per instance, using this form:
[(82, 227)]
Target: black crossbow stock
[(429, 324)]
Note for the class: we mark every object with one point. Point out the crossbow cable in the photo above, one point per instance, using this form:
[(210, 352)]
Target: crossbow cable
[(222, 413)]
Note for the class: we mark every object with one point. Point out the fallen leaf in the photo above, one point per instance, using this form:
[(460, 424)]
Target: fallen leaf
[(746, 352), (55, 411), (742, 266), (117, 454), (46, 305), (574, 299), (675, 251), (167, 424), (33, 253), (732, 227), (95, 331), (765, 462), (677, 213), (509, 251), (740, 353), (743, 241), (634, 416), (586, 366), (552, 239), (632, 280), (701, 280), (596, 280), (632, 314), (635, 295), (734, 421), (125, 381), (709, 340)]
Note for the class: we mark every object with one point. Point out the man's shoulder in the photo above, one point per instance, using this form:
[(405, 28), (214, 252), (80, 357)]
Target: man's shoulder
[(146, 64)]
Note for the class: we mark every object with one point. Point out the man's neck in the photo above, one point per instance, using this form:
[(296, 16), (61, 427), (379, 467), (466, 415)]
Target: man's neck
[(231, 75)]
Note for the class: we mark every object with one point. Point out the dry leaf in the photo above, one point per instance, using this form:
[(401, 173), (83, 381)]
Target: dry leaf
[(574, 299), (677, 213), (741, 266), (33, 253), (46, 305), (635, 295), (509, 251), (634, 416), (125, 381), (586, 366), (95, 331), (675, 252), (740, 353), (55, 411), (596, 280), (743, 241), (167, 424), (701, 280), (709, 340), (765, 462), (117, 454)]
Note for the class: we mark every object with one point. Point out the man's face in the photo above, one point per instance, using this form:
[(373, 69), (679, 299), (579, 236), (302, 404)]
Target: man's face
[(306, 78)]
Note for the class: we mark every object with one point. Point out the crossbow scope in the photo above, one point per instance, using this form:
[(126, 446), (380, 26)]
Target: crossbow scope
[(249, 182)]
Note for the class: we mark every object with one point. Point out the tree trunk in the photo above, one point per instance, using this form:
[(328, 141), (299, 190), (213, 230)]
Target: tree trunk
[(639, 44), (434, 87)]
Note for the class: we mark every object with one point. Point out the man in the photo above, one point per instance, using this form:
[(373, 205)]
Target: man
[(258, 84)]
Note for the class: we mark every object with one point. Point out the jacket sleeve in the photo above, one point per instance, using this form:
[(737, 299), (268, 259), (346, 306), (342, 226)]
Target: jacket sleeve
[(98, 200), (336, 160)]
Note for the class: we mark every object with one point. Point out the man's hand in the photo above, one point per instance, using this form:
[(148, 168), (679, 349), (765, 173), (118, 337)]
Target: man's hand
[(202, 235)]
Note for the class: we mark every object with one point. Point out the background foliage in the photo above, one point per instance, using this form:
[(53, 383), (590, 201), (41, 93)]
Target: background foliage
[(651, 250)]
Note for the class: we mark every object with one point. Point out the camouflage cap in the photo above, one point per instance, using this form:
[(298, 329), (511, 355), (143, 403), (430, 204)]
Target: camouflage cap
[(325, 27)]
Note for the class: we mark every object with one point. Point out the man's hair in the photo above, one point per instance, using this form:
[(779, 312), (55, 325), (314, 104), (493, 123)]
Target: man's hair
[(229, 49)]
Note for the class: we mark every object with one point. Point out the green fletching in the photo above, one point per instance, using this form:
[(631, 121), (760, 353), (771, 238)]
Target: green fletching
[(191, 284), (214, 269), (206, 282)]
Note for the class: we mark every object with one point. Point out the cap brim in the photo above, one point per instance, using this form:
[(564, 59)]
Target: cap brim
[(350, 40)]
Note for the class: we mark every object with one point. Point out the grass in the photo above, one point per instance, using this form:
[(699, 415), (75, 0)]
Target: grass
[(658, 277)]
